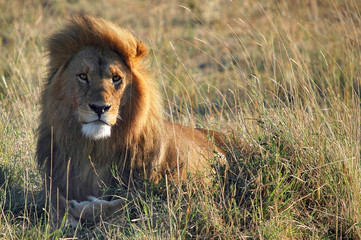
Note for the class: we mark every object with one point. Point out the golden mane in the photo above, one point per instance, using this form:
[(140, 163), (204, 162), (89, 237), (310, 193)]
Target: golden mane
[(83, 31)]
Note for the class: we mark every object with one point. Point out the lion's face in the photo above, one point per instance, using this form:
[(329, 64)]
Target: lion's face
[(98, 82)]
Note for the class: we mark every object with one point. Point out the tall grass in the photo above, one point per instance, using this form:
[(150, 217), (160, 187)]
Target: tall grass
[(282, 75)]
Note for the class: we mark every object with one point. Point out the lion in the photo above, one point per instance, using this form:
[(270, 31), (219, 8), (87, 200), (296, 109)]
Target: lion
[(100, 110)]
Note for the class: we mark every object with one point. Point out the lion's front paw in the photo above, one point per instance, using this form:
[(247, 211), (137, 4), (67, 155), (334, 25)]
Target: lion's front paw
[(84, 210), (93, 208)]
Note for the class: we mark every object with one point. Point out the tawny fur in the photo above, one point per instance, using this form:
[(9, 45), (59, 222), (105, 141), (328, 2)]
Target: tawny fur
[(141, 144)]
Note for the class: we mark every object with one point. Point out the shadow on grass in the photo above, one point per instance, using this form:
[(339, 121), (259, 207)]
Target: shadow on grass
[(17, 201)]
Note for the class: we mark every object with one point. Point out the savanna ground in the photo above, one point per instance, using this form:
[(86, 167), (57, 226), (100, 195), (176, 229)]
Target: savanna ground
[(283, 75)]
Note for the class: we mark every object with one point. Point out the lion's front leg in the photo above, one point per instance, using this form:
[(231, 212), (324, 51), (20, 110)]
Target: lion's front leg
[(94, 208)]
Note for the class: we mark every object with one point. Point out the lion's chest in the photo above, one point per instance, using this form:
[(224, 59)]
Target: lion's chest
[(90, 179)]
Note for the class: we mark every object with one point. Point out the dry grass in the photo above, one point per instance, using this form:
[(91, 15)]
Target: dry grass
[(284, 75)]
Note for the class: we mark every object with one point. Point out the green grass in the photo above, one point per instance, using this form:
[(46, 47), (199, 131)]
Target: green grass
[(282, 75)]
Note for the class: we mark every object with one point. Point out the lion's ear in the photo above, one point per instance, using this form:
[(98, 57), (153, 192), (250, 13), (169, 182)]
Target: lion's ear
[(142, 50)]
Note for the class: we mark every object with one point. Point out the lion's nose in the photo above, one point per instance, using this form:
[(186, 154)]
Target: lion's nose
[(99, 109)]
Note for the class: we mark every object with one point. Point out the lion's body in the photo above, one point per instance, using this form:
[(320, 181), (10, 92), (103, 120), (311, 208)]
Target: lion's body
[(88, 163), (92, 122)]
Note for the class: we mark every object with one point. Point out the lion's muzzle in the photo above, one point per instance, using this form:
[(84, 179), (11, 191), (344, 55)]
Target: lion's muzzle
[(97, 126)]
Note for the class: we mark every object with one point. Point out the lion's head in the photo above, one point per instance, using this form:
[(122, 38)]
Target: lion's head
[(97, 80), (97, 76)]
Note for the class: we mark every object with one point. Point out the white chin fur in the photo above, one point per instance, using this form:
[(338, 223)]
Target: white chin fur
[(96, 130)]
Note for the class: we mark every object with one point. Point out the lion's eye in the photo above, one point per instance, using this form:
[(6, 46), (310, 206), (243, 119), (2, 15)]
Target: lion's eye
[(83, 77), (117, 79)]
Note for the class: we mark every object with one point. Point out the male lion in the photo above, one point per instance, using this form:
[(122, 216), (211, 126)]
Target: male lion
[(100, 110)]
